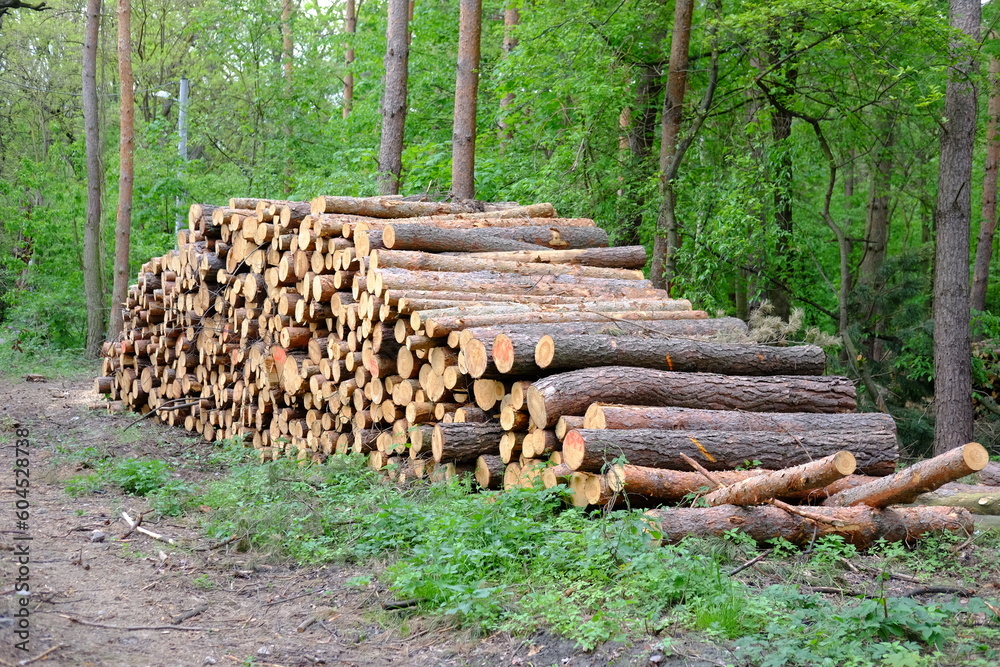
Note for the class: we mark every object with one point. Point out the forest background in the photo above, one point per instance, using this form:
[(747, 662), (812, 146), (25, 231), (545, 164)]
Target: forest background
[(809, 143)]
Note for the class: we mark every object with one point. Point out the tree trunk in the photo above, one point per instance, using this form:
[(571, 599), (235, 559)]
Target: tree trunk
[(572, 352), (922, 477), (463, 167), (877, 221), (665, 242), (591, 450), (860, 526), (93, 276), (573, 392), (619, 417), (952, 349), (123, 224), (390, 157), (287, 54), (990, 474), (351, 28), (789, 481), (988, 224), (511, 17)]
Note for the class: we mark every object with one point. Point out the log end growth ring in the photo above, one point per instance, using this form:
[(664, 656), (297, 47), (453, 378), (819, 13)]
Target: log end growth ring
[(544, 351)]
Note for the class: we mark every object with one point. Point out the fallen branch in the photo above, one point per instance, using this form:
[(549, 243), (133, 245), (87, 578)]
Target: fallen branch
[(40, 656), (131, 526), (751, 562), (401, 604), (163, 409), (180, 618), (219, 545), (156, 536), (928, 590), (136, 628)]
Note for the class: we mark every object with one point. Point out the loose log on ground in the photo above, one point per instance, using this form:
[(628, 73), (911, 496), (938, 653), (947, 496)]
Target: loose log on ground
[(618, 417), (860, 526), (919, 478), (573, 392), (571, 352), (465, 442), (664, 485), (626, 257), (990, 475), (593, 450), (789, 481)]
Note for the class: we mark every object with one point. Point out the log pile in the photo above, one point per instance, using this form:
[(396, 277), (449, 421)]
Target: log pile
[(438, 338)]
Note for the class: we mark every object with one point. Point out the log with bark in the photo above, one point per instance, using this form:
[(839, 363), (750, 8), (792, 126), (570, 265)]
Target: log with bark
[(789, 481), (491, 282), (593, 450), (573, 392), (861, 526), (442, 326), (572, 352), (600, 416), (907, 484), (437, 239), (425, 261), (465, 442), (389, 207), (982, 500), (625, 257)]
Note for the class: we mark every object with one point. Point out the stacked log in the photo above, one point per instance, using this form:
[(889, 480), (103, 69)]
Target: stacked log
[(439, 338)]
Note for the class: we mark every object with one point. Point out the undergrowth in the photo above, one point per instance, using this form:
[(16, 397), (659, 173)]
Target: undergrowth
[(524, 560)]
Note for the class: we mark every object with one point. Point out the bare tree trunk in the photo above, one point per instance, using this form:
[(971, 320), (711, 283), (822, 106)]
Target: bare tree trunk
[(287, 52), (390, 157), (952, 349), (463, 161), (984, 243), (665, 242), (511, 17), (123, 224), (92, 274), (351, 28), (877, 223)]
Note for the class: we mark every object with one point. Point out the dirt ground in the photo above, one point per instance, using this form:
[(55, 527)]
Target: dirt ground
[(87, 597)]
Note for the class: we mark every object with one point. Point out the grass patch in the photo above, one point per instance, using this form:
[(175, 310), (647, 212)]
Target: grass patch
[(524, 561), (47, 361)]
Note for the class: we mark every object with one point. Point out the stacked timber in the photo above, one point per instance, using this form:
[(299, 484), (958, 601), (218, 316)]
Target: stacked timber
[(443, 337)]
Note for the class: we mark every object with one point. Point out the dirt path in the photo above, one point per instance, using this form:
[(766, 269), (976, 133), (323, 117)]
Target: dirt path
[(251, 610)]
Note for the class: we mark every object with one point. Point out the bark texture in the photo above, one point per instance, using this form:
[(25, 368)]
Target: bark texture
[(123, 222), (952, 349), (466, 441), (463, 141), (860, 526), (571, 352), (390, 157), (694, 419), (922, 477), (573, 392), (789, 481), (93, 280), (592, 450), (988, 222)]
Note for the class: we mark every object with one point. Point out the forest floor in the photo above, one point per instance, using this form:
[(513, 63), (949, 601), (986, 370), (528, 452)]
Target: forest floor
[(252, 608), (112, 602)]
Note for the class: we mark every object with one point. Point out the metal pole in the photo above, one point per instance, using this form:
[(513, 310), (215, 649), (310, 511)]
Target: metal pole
[(182, 145)]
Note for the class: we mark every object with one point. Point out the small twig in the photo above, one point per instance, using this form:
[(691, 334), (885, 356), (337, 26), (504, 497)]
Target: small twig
[(162, 409), (135, 628), (812, 516), (180, 618), (850, 566), (304, 625), (750, 563), (213, 547), (40, 656), (284, 600)]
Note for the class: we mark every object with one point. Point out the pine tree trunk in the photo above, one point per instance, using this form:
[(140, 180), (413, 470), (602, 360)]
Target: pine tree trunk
[(123, 224), (988, 224), (390, 158), (351, 28), (463, 167), (666, 239), (511, 17), (93, 279), (952, 348)]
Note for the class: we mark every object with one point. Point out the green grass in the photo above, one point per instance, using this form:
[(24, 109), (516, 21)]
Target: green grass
[(50, 362), (525, 560)]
